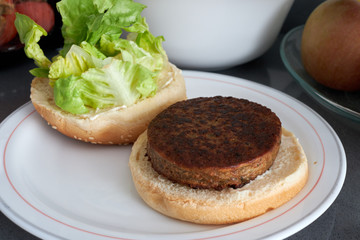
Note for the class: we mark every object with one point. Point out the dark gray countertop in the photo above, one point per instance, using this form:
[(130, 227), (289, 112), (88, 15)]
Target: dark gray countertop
[(340, 221)]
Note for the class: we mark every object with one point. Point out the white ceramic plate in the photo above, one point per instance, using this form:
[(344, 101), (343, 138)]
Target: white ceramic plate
[(58, 188)]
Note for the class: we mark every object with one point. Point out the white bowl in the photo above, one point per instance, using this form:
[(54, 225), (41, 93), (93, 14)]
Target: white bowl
[(215, 34)]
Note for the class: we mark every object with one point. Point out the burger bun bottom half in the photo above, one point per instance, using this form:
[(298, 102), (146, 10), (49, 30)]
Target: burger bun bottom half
[(117, 125), (285, 178)]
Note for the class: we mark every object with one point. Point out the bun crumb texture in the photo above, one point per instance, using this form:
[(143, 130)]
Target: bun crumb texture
[(282, 182), (117, 125)]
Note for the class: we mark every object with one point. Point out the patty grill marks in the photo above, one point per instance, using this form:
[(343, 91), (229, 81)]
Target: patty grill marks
[(215, 142)]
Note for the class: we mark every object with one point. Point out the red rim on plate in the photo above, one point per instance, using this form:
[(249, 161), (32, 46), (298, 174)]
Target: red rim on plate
[(207, 236)]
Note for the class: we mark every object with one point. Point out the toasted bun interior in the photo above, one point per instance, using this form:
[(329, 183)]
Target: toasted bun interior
[(279, 184), (116, 125)]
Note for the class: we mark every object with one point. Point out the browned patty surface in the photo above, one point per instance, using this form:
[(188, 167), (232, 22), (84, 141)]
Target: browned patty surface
[(213, 142)]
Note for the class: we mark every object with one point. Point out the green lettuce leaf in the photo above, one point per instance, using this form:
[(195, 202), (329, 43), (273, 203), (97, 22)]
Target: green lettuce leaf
[(30, 34), (67, 95), (76, 61), (88, 20), (96, 67), (92, 50), (118, 83), (40, 72), (140, 47), (140, 33)]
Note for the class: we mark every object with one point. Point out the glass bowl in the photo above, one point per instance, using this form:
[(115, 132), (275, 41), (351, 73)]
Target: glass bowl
[(344, 103)]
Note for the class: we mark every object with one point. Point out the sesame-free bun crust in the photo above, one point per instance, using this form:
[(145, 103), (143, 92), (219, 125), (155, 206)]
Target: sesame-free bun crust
[(109, 126), (286, 177)]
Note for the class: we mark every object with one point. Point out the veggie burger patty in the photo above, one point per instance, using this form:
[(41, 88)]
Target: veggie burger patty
[(215, 142)]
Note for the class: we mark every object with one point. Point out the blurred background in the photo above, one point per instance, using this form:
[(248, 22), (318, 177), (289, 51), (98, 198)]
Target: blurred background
[(11, 50)]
